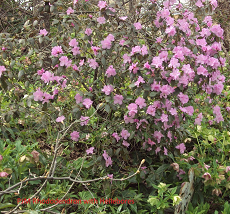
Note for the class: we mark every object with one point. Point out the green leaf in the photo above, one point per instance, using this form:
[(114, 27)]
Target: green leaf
[(20, 74), (103, 61), (195, 50), (6, 205), (153, 94), (107, 108)]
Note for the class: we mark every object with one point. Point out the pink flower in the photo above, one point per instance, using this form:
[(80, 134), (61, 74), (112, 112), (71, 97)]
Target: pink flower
[(133, 68), (188, 110), (199, 4), (151, 110), (158, 136), (92, 63), (137, 25), (88, 31), (158, 149), (75, 136), (206, 176), (125, 134), (217, 30), (183, 98), (56, 50), (87, 103), (84, 120), (2, 68), (76, 50), (110, 71), (140, 80), (140, 102), (78, 98), (125, 143), (73, 43), (60, 119), (218, 88), (1, 157), (64, 61), (3, 174), (47, 76), (108, 160), (171, 31), (102, 4), (40, 72), (43, 32), (4, 48), (107, 89), (181, 147), (106, 44), (164, 118), (101, 20), (35, 155), (38, 95), (198, 119), (132, 107), (157, 61), (69, 11), (165, 151), (118, 99), (126, 58), (116, 136), (159, 40), (90, 150)]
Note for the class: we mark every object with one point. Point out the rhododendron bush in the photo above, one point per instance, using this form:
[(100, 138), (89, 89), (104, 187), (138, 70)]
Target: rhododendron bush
[(139, 72)]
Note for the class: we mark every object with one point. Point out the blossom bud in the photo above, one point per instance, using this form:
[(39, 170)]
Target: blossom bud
[(3, 174), (35, 155), (175, 166), (206, 176)]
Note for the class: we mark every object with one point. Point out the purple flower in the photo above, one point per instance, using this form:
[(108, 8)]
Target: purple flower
[(3, 174), (181, 147), (60, 119), (43, 32), (90, 150), (87, 103), (75, 136)]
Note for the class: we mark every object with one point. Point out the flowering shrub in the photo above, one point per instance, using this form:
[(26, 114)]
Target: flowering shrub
[(136, 77)]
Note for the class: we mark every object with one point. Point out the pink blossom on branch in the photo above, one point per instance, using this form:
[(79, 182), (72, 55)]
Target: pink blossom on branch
[(43, 32), (75, 136), (2, 68), (107, 89), (60, 119), (102, 4), (88, 31), (181, 147), (108, 160), (137, 25), (118, 99), (87, 103), (90, 150), (101, 20), (3, 174), (69, 11)]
